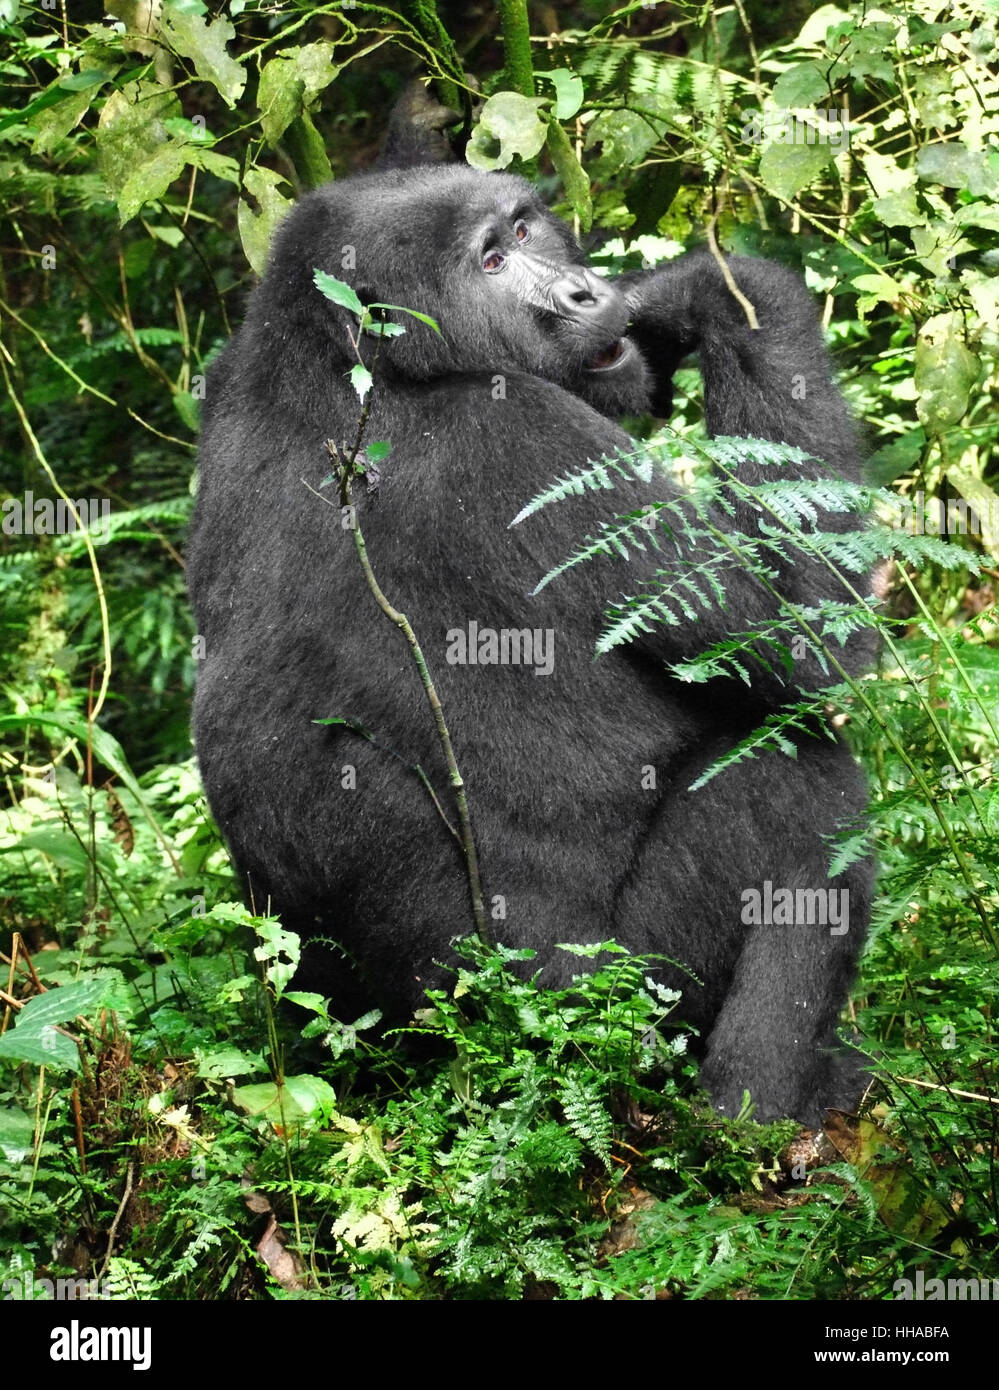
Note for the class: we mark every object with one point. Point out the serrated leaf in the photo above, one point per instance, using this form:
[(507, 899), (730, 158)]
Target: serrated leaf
[(338, 291), (361, 380)]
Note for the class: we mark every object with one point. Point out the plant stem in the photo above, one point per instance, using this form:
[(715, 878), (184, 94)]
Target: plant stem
[(517, 46), (425, 19), (347, 468)]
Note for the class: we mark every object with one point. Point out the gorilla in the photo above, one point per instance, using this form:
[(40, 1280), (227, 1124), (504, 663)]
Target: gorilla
[(578, 771)]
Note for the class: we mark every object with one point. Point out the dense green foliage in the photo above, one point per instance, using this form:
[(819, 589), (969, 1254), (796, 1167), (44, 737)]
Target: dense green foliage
[(167, 1122)]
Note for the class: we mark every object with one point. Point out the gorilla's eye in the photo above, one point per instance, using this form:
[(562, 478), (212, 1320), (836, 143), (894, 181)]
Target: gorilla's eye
[(521, 230), (493, 261)]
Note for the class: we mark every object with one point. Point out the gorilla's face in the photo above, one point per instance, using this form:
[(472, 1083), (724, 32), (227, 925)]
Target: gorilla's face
[(558, 319), (505, 281)]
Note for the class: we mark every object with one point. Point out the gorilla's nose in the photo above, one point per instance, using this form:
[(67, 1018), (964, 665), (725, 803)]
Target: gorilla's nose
[(580, 291)]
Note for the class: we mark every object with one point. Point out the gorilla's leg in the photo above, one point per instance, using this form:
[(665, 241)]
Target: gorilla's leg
[(769, 1001)]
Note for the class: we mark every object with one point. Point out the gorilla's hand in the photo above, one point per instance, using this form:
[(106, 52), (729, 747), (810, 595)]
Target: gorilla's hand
[(418, 130), (662, 322), (771, 381), (689, 301)]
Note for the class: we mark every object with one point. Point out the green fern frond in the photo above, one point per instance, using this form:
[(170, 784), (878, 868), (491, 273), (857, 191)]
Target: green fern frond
[(772, 736), (596, 476), (613, 538), (587, 1115), (675, 591)]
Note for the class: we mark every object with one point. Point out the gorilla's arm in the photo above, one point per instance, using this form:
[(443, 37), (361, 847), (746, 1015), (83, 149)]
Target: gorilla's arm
[(773, 382)]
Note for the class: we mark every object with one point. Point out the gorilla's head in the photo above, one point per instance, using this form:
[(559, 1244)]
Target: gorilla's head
[(505, 281)]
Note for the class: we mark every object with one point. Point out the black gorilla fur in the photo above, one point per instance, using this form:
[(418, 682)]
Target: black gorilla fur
[(553, 765)]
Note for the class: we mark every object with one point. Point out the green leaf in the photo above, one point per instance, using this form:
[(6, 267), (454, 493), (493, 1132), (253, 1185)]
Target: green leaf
[(568, 91), (945, 371), (892, 460), (649, 194), (377, 450), (188, 409), (60, 91), (280, 98), (17, 1132), (53, 125), (895, 200), (805, 84), (413, 313), (131, 129), (222, 1062), (304, 145), (107, 749), (43, 1047), (876, 289), (509, 125), (626, 138), (257, 228), (289, 83), (61, 846), (204, 43), (223, 166), (36, 1038), (953, 165), (361, 379), (574, 178), (382, 330), (984, 500), (82, 999), (300, 1099), (787, 169), (314, 65), (308, 999), (338, 291)]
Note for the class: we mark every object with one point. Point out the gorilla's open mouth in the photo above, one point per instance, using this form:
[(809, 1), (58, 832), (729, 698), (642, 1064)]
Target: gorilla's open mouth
[(608, 356)]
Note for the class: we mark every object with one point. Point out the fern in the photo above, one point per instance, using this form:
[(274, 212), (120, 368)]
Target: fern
[(670, 602), (806, 716), (127, 1281), (836, 621), (594, 477), (121, 342), (659, 82), (587, 1114)]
